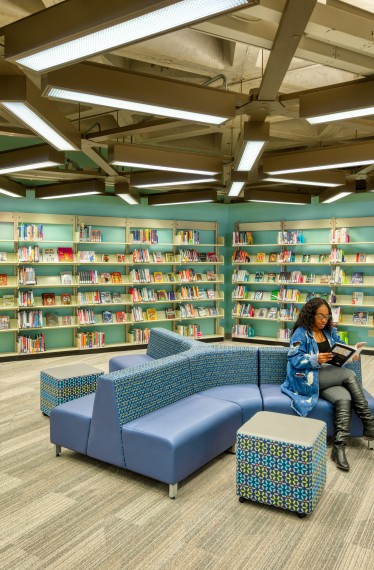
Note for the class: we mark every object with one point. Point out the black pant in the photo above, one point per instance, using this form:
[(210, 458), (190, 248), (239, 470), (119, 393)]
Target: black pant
[(331, 379)]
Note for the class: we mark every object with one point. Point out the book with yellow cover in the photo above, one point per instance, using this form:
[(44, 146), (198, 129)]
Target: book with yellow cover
[(151, 314)]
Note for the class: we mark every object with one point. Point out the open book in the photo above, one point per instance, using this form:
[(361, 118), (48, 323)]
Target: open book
[(344, 353)]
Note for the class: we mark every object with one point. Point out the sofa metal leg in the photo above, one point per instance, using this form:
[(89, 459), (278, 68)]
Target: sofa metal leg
[(232, 449), (173, 490), (371, 444), (57, 449)]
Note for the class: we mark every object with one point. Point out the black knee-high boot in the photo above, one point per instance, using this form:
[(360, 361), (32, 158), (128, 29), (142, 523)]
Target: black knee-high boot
[(360, 405), (342, 424)]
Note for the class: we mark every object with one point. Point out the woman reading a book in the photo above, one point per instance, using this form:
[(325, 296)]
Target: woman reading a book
[(310, 375)]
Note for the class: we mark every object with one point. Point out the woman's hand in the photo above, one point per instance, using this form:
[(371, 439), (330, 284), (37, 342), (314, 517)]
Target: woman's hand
[(356, 357), (324, 357)]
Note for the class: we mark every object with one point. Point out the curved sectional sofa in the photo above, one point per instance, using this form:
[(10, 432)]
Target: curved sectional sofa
[(166, 413)]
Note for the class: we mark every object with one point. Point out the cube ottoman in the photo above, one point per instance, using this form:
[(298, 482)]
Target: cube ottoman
[(64, 383), (281, 461)]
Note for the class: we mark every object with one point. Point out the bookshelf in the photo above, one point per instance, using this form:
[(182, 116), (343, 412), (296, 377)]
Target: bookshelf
[(307, 261), (71, 283)]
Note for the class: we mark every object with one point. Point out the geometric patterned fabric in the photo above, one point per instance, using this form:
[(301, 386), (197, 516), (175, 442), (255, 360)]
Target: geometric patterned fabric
[(148, 387), (273, 365), (219, 366), (281, 473), (167, 343), (64, 383)]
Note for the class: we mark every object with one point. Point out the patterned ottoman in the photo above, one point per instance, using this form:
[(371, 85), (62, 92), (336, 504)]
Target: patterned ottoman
[(64, 383), (281, 461)]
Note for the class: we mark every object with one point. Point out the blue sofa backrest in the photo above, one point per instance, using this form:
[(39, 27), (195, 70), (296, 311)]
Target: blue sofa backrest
[(221, 365), (273, 365), (166, 343)]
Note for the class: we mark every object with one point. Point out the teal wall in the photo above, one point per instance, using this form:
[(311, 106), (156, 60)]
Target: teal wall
[(357, 205)]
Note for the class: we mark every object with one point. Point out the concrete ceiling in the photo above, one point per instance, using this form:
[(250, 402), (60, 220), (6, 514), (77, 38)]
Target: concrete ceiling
[(269, 52)]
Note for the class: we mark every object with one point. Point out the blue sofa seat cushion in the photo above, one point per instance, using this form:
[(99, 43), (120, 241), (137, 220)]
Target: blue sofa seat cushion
[(275, 401), (222, 365), (247, 396), (128, 361), (173, 442), (71, 422)]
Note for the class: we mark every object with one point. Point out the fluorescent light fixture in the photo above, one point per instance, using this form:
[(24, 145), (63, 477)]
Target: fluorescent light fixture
[(326, 179), (179, 198), (70, 189), (251, 143), (68, 32), (11, 189), (251, 195), (106, 86), (20, 97), (329, 196), (326, 158), (338, 103), (150, 158), (122, 190), (236, 183), (165, 179), (30, 158)]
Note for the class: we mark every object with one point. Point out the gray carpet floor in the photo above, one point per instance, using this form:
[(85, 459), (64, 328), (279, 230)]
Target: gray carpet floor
[(72, 512)]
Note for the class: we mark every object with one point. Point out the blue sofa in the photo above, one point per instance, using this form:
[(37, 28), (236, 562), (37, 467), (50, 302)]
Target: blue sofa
[(170, 415)]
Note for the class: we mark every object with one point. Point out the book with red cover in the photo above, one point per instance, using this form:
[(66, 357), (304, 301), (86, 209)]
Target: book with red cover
[(65, 254)]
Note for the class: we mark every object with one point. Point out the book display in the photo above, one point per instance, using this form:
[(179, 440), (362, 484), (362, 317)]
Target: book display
[(332, 259)]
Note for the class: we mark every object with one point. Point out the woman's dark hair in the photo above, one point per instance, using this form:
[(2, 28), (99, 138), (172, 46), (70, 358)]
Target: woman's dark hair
[(308, 312)]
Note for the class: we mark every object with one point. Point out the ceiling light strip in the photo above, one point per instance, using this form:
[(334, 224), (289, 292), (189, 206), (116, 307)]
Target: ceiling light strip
[(155, 22)]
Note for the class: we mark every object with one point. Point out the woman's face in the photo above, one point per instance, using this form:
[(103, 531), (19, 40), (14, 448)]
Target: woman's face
[(321, 317)]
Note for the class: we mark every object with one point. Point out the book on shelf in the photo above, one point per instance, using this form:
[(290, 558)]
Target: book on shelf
[(162, 295), (357, 298), (66, 320), (259, 276), (360, 257), (3, 256), (116, 298), (49, 255), (105, 257), (213, 312), (158, 276), (116, 277), (170, 257), (258, 295), (343, 353), (336, 315), (151, 314), (51, 320), (211, 276), (240, 256), (3, 279), (323, 258), (48, 299), (274, 295), (271, 277), (65, 299), (260, 257), (65, 254), (357, 277), (107, 316), (66, 277), (105, 278), (105, 297), (201, 311), (360, 317), (169, 313), (212, 256), (87, 256), (210, 293), (157, 257), (121, 258), (171, 277), (4, 322), (120, 317), (273, 257), (8, 301), (272, 313), (324, 279), (263, 313), (306, 258)]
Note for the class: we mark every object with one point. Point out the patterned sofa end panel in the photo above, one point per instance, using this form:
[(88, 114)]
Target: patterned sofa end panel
[(222, 365), (273, 365), (166, 343), (151, 386)]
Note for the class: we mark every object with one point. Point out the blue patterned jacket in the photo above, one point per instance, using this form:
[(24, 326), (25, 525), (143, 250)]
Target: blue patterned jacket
[(301, 384)]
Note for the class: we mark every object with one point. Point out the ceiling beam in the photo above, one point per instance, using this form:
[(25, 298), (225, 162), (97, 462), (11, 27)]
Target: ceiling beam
[(89, 151)]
